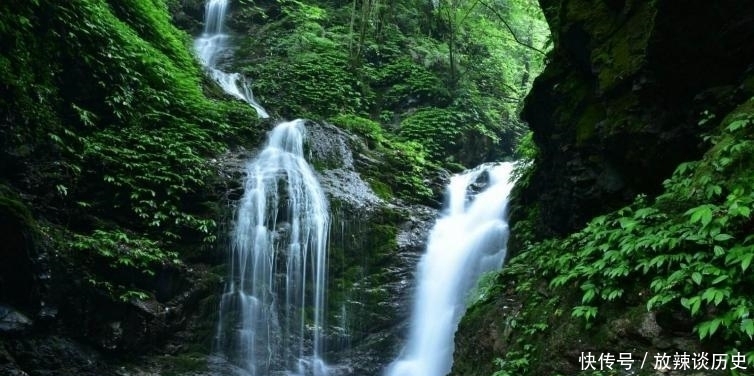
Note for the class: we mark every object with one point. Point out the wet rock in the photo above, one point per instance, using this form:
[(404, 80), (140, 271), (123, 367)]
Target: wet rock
[(12, 321), (188, 365), (54, 356), (11, 371), (480, 184), (649, 329), (23, 272), (329, 147), (111, 337), (484, 331), (331, 153), (375, 246)]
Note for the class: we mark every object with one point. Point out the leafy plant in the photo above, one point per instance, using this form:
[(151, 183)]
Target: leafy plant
[(106, 130), (690, 249)]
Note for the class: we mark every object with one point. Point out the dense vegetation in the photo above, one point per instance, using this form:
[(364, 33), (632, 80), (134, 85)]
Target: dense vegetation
[(448, 76), (106, 133), (110, 136), (632, 226), (684, 254)]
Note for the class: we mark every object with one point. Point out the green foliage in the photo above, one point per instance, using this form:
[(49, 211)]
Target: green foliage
[(121, 250), (527, 149), (437, 129), (526, 154), (393, 63), (404, 164), (151, 20), (368, 129), (688, 250), (104, 125), (486, 286), (314, 85), (514, 363), (405, 83)]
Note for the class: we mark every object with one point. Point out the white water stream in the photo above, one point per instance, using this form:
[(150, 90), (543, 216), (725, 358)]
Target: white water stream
[(272, 312), (468, 240), (211, 46)]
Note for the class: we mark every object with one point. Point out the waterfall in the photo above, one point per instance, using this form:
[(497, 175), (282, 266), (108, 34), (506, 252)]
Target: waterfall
[(468, 240), (210, 47), (272, 311)]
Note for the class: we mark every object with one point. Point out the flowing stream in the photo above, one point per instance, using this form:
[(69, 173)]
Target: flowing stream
[(468, 240), (272, 312), (212, 45)]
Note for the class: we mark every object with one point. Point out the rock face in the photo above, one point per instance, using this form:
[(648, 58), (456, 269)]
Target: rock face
[(616, 108), (375, 245)]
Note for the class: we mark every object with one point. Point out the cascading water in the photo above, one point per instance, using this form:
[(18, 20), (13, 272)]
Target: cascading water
[(272, 312), (211, 45), (467, 241)]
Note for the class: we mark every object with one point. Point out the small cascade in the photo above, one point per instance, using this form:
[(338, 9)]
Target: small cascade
[(210, 47), (468, 240), (272, 311)]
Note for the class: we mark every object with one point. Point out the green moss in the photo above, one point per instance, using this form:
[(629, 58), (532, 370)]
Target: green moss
[(382, 239), (370, 130), (381, 189), (585, 128)]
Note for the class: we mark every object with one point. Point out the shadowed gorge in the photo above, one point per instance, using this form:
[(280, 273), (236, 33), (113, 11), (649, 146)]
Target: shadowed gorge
[(631, 228)]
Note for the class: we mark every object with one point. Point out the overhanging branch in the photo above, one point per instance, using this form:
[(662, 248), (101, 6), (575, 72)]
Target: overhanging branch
[(510, 29)]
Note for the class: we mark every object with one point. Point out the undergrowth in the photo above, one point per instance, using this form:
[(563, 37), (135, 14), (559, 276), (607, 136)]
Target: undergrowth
[(105, 127), (689, 250)]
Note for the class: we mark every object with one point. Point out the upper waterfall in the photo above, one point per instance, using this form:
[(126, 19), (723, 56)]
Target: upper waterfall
[(212, 44), (468, 240)]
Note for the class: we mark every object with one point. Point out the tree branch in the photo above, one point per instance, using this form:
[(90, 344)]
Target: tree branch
[(510, 29)]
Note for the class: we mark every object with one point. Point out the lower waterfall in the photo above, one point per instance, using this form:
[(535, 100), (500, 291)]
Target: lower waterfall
[(468, 240), (272, 311)]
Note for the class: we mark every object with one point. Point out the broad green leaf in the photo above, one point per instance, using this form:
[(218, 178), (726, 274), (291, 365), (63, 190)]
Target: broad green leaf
[(708, 295), (697, 278), (713, 326), (719, 251), (588, 296), (695, 305), (719, 279), (719, 297), (746, 261), (737, 124), (722, 237), (703, 329), (747, 326)]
